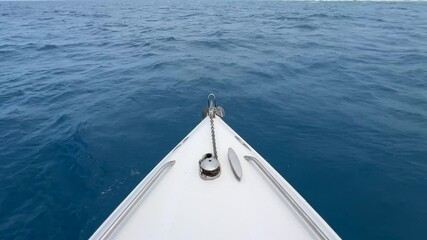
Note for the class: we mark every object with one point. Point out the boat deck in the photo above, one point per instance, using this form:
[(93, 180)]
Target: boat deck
[(173, 202)]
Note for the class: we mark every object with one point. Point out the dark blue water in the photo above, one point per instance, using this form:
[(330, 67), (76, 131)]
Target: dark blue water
[(93, 95)]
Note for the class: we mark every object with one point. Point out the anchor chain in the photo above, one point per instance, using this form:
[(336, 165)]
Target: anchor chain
[(211, 111), (211, 116), (209, 165)]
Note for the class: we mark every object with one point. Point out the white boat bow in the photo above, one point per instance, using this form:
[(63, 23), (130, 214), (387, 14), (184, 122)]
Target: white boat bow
[(183, 198)]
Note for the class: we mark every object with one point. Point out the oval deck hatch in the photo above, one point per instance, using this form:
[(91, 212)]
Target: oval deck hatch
[(235, 163)]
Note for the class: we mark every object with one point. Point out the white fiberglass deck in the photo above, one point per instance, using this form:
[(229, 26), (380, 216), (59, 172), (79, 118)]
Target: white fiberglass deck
[(181, 205)]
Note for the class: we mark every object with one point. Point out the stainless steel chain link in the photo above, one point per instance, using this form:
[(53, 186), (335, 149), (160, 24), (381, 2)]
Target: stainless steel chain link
[(211, 114), (212, 110)]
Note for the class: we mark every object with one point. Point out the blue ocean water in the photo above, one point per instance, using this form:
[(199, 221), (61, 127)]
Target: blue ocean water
[(94, 94)]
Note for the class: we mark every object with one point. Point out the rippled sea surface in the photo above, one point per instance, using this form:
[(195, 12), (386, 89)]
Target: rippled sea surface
[(93, 95)]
